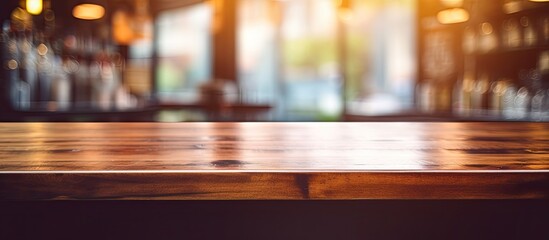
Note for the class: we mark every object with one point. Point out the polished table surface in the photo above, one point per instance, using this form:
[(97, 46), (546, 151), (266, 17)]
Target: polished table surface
[(275, 161)]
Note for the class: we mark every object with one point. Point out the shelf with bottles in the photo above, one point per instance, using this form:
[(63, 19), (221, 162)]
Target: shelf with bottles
[(69, 73), (498, 29), (61, 71), (509, 86), (502, 98), (512, 92), (512, 36), (506, 65), (38, 78)]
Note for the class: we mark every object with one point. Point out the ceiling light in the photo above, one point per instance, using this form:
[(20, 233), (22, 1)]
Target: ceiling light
[(88, 11), (453, 15), (512, 6), (34, 7)]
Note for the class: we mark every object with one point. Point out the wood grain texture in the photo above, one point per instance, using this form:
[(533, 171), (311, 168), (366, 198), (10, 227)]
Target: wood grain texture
[(274, 161)]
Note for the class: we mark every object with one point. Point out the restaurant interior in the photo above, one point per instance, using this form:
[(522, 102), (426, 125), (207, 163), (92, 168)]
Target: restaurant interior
[(274, 119), (275, 60)]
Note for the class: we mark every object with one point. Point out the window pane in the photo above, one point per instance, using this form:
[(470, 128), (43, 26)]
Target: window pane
[(257, 51), (184, 47), (310, 59), (381, 56), (290, 54)]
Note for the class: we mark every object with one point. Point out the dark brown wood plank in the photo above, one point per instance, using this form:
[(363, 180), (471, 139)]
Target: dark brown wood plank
[(147, 185), (273, 185), (274, 160)]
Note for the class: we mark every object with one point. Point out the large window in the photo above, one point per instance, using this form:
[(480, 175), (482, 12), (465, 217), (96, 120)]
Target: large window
[(381, 57), (291, 54), (308, 58), (287, 57), (258, 52), (184, 52)]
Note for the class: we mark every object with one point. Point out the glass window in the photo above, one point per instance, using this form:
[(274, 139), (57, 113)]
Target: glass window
[(381, 57), (290, 55), (310, 59), (184, 52), (257, 52)]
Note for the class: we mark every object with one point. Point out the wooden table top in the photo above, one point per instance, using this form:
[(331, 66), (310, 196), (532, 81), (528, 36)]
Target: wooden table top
[(274, 161)]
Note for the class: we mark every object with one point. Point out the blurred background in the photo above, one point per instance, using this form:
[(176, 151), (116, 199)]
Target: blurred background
[(274, 60)]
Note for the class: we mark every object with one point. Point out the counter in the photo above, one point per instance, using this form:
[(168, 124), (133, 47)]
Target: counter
[(273, 161)]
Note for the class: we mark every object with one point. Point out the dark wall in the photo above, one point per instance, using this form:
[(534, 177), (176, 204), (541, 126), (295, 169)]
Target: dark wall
[(7, 7), (65, 22)]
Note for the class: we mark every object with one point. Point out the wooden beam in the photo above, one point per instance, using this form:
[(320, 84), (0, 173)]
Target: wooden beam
[(224, 39)]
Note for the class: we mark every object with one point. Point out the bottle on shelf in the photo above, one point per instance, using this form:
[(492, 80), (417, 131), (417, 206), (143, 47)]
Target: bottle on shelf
[(539, 105), (463, 91), (544, 23), (530, 38), (488, 40), (497, 91), (45, 68), (469, 44), (9, 65), (511, 34), (61, 85), (508, 102), (522, 103), (27, 65), (543, 69), (540, 102)]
